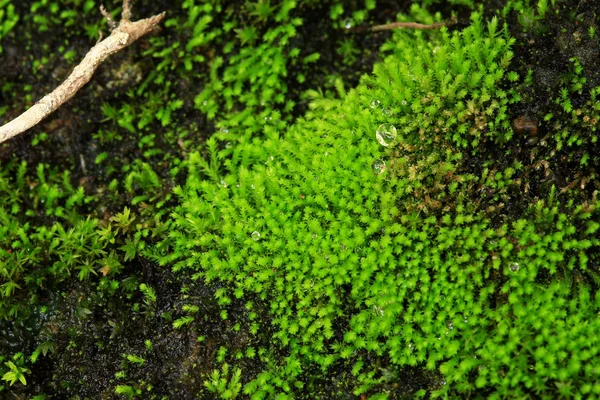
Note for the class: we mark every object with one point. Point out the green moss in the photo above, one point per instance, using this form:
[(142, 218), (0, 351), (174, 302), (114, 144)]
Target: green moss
[(400, 265), (8, 19), (302, 256)]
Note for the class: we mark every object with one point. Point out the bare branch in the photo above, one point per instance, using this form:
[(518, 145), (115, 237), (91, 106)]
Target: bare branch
[(401, 25), (126, 14), (111, 22), (122, 36)]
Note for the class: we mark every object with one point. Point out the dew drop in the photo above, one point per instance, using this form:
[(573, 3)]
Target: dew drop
[(375, 103), (532, 141), (378, 166), (255, 235), (514, 266), (386, 134), (378, 311), (387, 112), (223, 183), (348, 23)]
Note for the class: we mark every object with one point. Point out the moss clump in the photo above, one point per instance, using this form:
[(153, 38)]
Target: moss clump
[(378, 272)]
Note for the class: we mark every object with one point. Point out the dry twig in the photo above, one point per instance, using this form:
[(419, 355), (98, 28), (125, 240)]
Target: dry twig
[(399, 25), (121, 36)]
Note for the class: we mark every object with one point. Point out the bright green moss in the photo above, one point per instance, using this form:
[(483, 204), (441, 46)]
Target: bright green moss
[(399, 264)]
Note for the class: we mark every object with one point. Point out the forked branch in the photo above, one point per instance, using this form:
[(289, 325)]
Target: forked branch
[(121, 36)]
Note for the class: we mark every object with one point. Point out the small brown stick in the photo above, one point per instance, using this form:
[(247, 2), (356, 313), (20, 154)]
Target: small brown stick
[(122, 35), (401, 25)]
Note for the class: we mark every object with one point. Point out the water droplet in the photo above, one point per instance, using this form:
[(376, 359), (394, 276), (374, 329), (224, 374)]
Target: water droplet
[(404, 102), (326, 153), (411, 346), (342, 247), (271, 158), (255, 235), (514, 266), (450, 326), (532, 141), (252, 186), (374, 103), (223, 183), (388, 112), (205, 103), (348, 23), (386, 134), (378, 166), (223, 130), (228, 145), (314, 235)]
